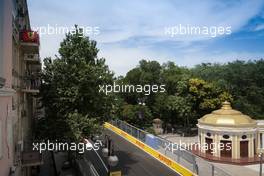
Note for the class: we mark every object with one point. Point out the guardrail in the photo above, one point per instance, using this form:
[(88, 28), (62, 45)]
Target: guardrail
[(181, 156), (86, 168)]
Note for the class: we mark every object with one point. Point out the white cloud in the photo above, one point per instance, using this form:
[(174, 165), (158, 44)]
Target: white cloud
[(138, 18), (121, 60), (142, 22), (145, 18)]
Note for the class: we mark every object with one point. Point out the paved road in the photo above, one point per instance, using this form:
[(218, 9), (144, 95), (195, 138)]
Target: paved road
[(135, 162)]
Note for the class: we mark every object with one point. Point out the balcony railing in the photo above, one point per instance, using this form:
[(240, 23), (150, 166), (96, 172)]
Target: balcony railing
[(32, 58), (31, 158), (31, 82), (27, 36), (29, 40), (31, 86)]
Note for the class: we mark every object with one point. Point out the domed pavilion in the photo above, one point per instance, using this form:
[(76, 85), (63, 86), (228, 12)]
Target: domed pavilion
[(230, 134)]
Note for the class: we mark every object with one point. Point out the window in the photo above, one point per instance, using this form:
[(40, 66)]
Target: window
[(225, 136), (244, 137), (261, 140)]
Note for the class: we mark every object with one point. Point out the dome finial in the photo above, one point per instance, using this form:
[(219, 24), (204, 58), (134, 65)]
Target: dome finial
[(226, 105)]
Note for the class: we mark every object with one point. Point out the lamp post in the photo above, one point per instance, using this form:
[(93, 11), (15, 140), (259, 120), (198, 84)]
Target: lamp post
[(108, 151), (141, 102), (260, 163)]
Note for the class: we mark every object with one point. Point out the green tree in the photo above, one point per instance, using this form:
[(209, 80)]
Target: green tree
[(137, 115), (206, 96), (244, 80), (70, 90)]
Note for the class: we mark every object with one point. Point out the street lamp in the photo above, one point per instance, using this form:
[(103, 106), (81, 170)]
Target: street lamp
[(105, 150), (141, 102), (260, 163), (95, 138), (108, 151), (112, 159)]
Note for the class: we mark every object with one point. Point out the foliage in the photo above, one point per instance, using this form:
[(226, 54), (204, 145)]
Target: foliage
[(244, 80), (186, 99), (75, 107), (82, 125), (70, 90), (137, 115)]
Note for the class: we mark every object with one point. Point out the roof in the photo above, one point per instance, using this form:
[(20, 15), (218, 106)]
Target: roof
[(227, 117)]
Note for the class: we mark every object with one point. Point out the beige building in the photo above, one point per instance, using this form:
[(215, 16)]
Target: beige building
[(19, 83), (230, 134)]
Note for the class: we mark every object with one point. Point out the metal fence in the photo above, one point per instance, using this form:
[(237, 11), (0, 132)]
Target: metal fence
[(86, 168), (179, 154)]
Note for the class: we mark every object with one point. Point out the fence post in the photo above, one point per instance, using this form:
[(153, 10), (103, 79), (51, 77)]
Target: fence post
[(179, 157), (213, 169), (196, 168)]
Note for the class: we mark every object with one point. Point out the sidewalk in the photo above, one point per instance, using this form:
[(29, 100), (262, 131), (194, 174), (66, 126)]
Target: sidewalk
[(233, 170), (176, 138), (60, 158), (47, 168), (236, 170)]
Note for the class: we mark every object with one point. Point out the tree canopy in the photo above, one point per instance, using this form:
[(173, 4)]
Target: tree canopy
[(73, 104), (75, 108), (186, 99)]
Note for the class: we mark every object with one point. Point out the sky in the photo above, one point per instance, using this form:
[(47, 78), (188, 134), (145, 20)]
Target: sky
[(127, 31)]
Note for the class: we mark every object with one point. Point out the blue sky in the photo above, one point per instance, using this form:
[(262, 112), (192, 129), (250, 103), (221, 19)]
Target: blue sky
[(135, 30)]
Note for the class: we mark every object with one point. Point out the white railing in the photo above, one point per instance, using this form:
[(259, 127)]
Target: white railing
[(182, 156)]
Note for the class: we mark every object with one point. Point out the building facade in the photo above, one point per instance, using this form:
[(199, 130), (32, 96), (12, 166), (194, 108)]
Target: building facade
[(19, 86), (230, 134)]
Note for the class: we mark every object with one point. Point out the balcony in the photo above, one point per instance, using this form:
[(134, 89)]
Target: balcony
[(32, 58), (29, 41), (31, 158), (31, 82)]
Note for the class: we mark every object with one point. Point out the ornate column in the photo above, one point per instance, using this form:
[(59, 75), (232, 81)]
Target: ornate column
[(218, 152), (236, 146), (251, 146), (202, 141)]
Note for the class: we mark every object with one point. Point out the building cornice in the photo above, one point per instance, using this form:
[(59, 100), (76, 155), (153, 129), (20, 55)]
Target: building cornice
[(225, 129)]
